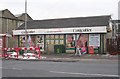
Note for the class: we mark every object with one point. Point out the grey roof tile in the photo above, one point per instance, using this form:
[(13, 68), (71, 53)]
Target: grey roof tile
[(68, 22)]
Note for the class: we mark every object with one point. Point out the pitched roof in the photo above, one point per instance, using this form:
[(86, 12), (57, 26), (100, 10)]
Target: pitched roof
[(68, 22), (7, 14), (22, 17)]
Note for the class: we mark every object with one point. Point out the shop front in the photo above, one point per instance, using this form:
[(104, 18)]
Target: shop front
[(64, 40)]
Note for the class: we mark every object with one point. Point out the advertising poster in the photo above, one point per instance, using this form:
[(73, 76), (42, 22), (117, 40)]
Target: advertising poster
[(40, 42), (70, 40), (30, 41), (82, 40), (22, 41), (94, 40)]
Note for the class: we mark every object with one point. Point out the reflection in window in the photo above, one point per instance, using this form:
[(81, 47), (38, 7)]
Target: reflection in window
[(61, 41), (56, 41)]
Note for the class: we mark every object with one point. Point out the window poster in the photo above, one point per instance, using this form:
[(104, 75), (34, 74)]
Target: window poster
[(40, 42), (48, 41), (22, 41), (30, 41), (82, 40), (52, 41), (56, 36), (52, 36), (61, 41), (56, 41), (94, 40), (70, 40), (47, 36), (61, 36)]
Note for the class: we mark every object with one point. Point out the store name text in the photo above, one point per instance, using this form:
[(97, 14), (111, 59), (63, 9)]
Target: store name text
[(82, 30), (23, 32)]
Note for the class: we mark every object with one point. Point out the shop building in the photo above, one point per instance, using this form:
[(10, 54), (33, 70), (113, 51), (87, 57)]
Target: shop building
[(64, 34)]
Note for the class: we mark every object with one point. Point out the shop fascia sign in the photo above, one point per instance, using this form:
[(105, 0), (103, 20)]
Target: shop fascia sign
[(101, 29), (28, 32), (82, 30)]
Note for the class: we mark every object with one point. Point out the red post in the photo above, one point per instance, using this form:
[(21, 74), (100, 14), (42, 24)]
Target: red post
[(4, 45)]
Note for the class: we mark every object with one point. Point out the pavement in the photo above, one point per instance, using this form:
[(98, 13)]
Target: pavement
[(72, 58)]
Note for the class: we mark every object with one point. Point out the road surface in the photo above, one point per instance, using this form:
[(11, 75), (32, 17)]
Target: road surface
[(16, 68)]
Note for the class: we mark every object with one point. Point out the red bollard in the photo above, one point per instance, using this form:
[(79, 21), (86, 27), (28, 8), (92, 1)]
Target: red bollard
[(17, 51), (38, 49)]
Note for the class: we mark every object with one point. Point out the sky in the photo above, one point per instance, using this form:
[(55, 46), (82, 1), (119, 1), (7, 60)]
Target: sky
[(50, 9)]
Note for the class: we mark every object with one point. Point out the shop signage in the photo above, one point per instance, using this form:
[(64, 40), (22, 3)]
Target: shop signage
[(30, 31), (82, 30), (99, 29)]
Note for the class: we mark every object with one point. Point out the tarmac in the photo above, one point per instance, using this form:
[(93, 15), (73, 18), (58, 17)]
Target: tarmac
[(72, 58)]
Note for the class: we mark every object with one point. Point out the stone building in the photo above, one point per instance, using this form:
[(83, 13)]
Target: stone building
[(9, 22)]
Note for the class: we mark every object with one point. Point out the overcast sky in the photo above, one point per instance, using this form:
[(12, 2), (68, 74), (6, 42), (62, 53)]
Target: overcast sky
[(49, 9)]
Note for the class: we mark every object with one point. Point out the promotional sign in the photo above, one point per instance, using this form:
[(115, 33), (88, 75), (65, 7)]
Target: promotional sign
[(70, 40), (94, 40)]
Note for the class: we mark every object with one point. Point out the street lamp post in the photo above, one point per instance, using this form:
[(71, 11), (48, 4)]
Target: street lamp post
[(25, 24)]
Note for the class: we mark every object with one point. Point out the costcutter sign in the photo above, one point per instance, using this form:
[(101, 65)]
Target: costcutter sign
[(100, 29)]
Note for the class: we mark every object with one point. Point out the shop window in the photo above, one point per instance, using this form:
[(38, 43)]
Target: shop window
[(40, 42), (47, 36), (51, 36), (56, 36), (56, 41), (52, 41), (82, 40), (70, 40), (61, 41), (22, 41), (48, 41), (61, 36)]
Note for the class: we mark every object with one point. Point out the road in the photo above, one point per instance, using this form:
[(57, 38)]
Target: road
[(16, 68)]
